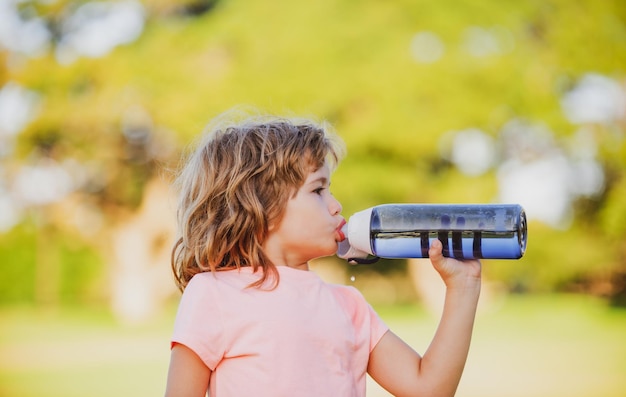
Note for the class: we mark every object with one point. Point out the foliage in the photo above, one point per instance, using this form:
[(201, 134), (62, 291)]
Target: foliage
[(46, 266), (125, 117)]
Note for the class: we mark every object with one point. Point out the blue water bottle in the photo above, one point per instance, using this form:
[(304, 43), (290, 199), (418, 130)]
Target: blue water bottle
[(467, 231)]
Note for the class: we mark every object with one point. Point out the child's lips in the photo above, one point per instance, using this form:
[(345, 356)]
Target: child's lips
[(340, 234)]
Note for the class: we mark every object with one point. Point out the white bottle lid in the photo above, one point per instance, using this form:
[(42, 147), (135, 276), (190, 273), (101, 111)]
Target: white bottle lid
[(357, 232)]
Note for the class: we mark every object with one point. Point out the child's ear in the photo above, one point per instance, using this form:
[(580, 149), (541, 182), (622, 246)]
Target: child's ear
[(272, 224)]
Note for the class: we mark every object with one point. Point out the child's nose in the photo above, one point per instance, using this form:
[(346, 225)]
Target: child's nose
[(335, 206)]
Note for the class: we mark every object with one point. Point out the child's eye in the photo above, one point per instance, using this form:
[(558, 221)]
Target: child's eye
[(319, 190)]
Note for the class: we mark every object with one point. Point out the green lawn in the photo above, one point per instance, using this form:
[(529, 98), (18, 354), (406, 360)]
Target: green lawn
[(80, 354), (534, 346), (527, 346)]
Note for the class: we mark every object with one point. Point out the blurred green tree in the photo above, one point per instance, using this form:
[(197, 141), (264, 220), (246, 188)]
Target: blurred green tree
[(116, 107)]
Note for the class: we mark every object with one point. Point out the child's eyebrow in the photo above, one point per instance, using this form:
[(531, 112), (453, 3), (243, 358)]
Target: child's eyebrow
[(323, 180)]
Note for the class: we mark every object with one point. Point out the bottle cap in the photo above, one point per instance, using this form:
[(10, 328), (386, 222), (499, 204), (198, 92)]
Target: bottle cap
[(357, 232)]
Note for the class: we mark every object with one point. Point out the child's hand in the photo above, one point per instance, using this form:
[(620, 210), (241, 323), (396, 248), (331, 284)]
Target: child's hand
[(455, 273)]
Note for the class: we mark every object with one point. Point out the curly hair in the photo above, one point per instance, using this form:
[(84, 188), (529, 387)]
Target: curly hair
[(236, 185)]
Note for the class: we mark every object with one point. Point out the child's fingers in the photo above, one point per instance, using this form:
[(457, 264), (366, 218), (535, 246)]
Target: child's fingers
[(449, 267), (435, 247), (435, 253)]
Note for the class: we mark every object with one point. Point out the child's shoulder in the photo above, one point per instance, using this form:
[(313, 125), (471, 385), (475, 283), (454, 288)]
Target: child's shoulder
[(348, 292), (243, 276)]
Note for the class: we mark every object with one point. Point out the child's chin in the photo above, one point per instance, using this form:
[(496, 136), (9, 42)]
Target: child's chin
[(322, 253), (332, 250)]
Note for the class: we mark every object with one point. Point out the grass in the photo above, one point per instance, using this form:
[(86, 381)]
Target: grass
[(78, 354), (531, 346), (534, 346)]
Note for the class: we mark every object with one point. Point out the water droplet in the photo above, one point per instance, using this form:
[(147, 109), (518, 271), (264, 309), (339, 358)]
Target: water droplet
[(352, 278)]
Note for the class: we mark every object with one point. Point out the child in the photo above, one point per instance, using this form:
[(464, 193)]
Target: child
[(254, 209)]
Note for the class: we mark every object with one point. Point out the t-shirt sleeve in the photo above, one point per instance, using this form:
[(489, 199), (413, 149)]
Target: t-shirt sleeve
[(365, 318), (198, 323)]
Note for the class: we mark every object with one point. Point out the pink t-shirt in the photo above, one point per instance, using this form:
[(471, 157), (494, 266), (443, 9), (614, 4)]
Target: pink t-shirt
[(304, 338)]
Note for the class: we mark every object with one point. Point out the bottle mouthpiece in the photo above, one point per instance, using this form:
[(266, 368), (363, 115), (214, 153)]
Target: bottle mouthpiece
[(356, 245)]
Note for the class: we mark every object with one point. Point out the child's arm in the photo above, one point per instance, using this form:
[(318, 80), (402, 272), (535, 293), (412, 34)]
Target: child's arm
[(401, 370), (188, 376)]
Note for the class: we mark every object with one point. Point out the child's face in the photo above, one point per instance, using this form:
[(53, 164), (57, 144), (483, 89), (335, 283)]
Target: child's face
[(310, 225)]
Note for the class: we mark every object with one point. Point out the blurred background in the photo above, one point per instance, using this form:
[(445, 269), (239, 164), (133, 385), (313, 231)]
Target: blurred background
[(453, 101)]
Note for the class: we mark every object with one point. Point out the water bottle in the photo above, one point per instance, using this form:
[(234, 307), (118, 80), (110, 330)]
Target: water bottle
[(466, 231)]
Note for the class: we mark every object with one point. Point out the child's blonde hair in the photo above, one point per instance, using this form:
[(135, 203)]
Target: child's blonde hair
[(236, 184)]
